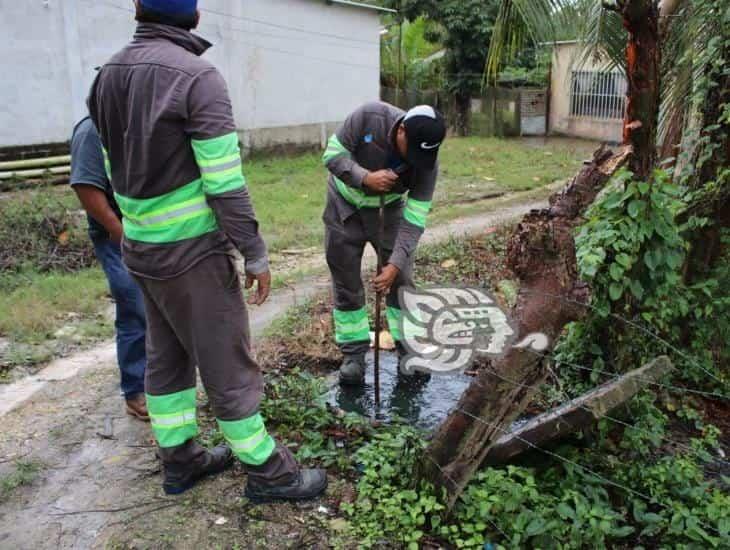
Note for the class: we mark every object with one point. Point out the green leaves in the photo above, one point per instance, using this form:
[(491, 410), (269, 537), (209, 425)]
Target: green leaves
[(615, 291), (631, 246)]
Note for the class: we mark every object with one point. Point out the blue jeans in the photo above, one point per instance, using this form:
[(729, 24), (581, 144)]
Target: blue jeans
[(130, 318)]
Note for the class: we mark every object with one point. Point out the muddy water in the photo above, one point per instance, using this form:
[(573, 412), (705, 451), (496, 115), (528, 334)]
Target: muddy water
[(420, 401)]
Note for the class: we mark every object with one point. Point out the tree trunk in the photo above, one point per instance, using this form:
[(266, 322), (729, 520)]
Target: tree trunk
[(541, 253), (463, 107), (641, 19), (706, 244)]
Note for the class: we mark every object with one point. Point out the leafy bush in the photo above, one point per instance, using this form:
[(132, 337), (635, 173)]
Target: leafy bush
[(616, 491), (389, 506), (631, 250)]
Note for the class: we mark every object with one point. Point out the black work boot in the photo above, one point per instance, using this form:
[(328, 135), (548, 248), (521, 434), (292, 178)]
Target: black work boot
[(415, 377), (352, 370), (308, 483), (181, 477)]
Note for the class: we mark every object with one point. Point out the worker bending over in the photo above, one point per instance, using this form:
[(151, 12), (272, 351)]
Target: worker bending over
[(380, 149), (166, 123)]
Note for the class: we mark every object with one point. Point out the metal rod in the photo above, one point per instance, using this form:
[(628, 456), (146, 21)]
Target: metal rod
[(378, 299)]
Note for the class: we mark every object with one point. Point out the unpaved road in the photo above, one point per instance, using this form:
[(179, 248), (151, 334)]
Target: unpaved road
[(98, 470)]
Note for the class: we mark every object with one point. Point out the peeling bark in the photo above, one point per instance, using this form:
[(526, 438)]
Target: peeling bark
[(641, 19), (541, 252)]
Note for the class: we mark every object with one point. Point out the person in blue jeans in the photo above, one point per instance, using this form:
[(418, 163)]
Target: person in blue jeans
[(90, 182)]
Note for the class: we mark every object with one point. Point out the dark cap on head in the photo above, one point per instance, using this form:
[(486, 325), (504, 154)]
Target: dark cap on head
[(426, 130)]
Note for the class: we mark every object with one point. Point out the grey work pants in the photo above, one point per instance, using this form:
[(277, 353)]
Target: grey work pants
[(344, 246), (200, 318)]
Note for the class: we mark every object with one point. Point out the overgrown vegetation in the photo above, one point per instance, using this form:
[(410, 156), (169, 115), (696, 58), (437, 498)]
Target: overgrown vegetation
[(42, 230), (648, 476), (24, 473), (46, 278)]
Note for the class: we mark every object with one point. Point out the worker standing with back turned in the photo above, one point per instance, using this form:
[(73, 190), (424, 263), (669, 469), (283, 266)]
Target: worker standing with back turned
[(380, 149), (165, 120)]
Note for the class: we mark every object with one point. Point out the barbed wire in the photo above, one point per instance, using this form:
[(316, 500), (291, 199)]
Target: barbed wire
[(561, 458), (538, 387), (635, 325), (576, 366)]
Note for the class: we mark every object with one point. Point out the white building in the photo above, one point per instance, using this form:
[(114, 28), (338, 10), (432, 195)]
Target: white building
[(295, 68), (586, 100)]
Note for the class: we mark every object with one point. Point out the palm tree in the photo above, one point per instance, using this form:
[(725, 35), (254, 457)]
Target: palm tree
[(664, 48)]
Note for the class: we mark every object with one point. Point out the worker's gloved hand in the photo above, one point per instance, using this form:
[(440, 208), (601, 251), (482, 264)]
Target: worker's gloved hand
[(263, 287), (381, 181), (385, 280)]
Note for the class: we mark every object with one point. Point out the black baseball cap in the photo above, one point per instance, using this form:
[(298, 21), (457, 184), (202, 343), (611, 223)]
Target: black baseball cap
[(426, 130)]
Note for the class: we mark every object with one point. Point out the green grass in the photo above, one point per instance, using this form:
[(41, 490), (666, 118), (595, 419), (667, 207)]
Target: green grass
[(32, 311), (26, 472), (289, 192)]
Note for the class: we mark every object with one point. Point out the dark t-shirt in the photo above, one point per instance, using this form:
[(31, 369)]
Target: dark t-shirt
[(87, 168)]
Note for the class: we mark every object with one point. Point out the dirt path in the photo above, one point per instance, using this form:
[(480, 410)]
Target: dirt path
[(96, 469)]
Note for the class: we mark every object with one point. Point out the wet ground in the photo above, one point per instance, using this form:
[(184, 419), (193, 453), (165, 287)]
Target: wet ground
[(98, 482), (420, 400)]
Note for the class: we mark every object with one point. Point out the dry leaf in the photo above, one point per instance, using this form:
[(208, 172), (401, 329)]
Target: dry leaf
[(448, 264), (63, 238)]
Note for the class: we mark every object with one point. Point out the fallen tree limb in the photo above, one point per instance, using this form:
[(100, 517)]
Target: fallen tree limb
[(578, 413), (541, 253)]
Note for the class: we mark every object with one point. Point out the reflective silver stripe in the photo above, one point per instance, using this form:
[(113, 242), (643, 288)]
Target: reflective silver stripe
[(220, 167), (175, 420), (170, 215), (248, 445)]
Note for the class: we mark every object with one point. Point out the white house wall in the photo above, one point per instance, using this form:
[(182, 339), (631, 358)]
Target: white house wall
[(294, 67), (561, 121)]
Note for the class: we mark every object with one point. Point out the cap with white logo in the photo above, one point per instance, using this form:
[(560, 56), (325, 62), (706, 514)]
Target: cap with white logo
[(426, 130)]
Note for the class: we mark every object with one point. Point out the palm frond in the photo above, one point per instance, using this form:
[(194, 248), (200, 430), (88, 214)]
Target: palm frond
[(521, 21)]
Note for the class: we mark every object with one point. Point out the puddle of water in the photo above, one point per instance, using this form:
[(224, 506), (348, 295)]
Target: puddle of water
[(422, 403)]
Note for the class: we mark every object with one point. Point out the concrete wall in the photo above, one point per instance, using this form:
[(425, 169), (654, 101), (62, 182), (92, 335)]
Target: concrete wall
[(533, 112), (294, 67), (561, 121)]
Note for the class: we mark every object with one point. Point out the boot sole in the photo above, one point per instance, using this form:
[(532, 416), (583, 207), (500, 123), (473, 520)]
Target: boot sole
[(352, 381), (256, 499), (179, 489)]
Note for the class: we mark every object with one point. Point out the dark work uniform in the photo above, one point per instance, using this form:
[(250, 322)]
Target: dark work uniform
[(166, 122), (364, 143)]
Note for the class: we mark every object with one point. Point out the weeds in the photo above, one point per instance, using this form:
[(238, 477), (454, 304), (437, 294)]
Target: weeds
[(26, 472), (35, 309)]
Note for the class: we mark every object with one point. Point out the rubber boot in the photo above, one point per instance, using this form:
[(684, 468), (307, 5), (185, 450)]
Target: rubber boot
[(181, 477), (352, 370)]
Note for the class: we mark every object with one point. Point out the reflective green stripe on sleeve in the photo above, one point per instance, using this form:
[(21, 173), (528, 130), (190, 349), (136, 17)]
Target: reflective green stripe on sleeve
[(359, 199), (172, 417), (416, 212), (351, 326), (334, 149), (175, 216), (248, 439), (219, 160)]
